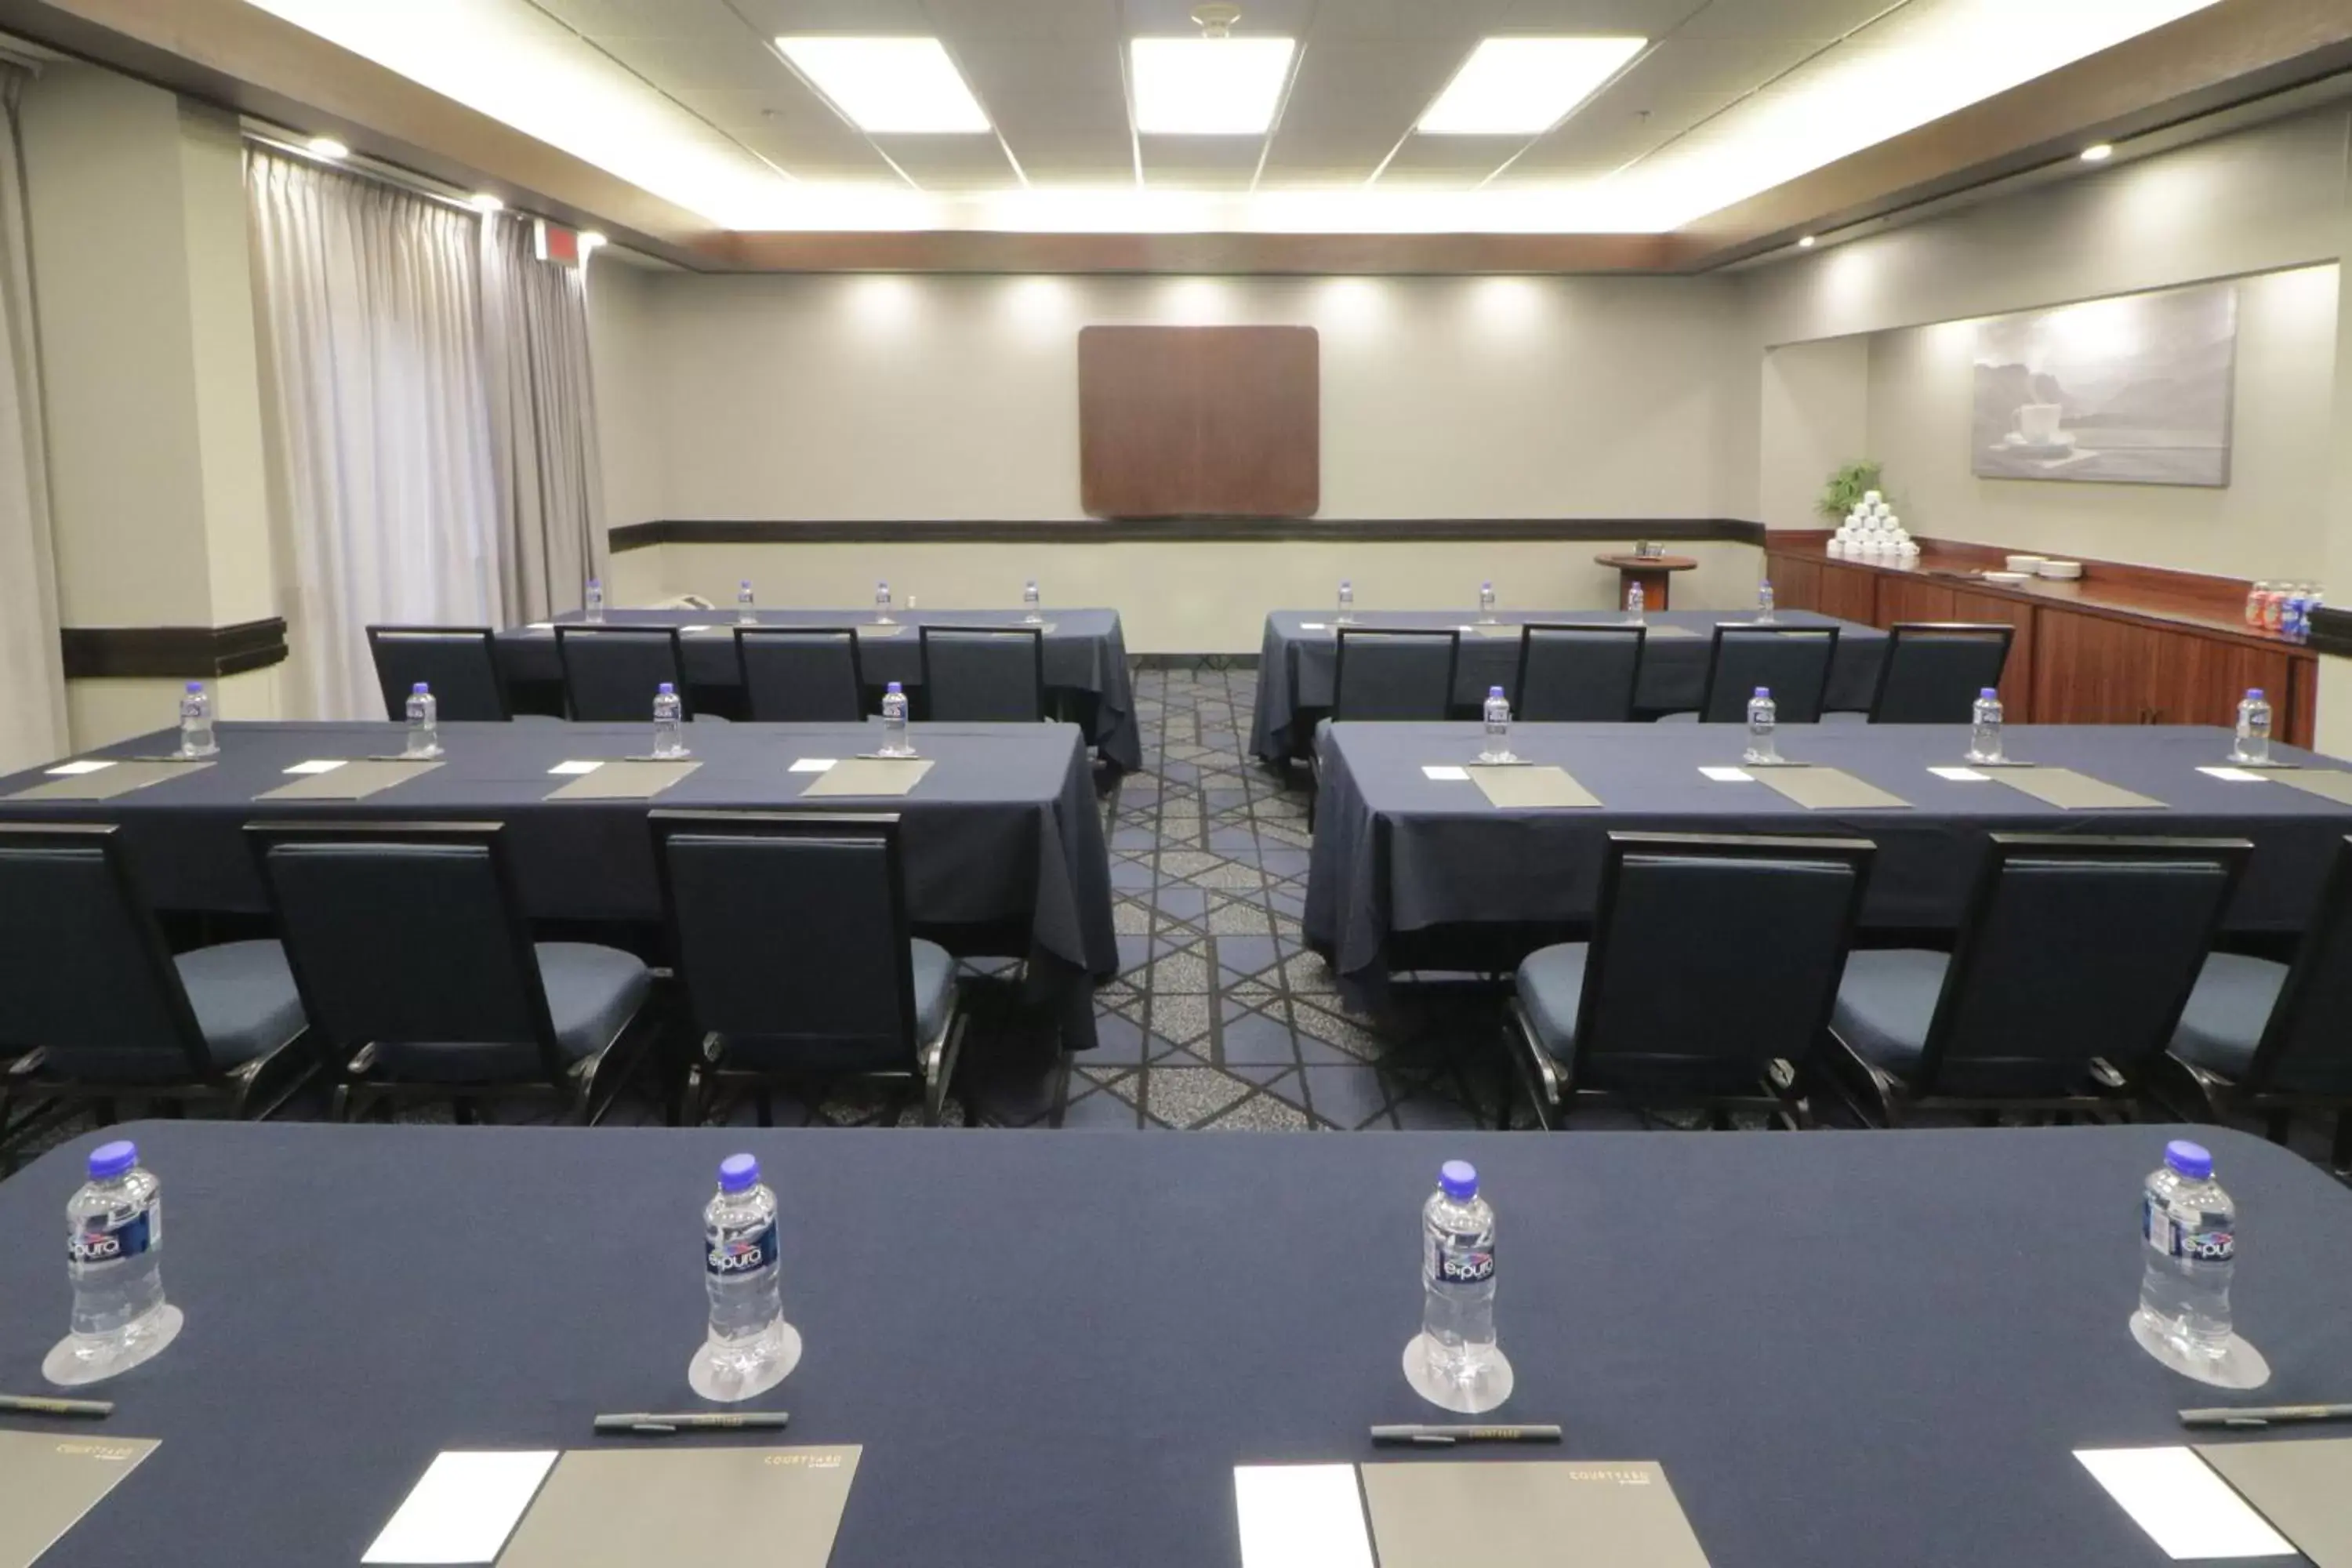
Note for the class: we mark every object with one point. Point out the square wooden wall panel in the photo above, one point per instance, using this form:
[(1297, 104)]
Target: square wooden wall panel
[(1200, 421)]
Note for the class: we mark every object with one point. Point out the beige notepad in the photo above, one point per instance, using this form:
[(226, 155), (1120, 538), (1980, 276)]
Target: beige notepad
[(2070, 791), (1529, 1513), (49, 1480), (1521, 786), (889, 631), (105, 783), (1827, 789), (352, 780), (869, 775), (1672, 632), (685, 1507), (2334, 786), (2299, 1484), (624, 780), (1510, 632)]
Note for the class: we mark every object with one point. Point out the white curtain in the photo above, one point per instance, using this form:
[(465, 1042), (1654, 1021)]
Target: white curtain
[(32, 679), (543, 422), (373, 380)]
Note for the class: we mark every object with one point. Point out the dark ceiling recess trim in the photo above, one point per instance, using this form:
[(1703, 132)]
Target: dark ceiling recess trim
[(171, 653), (2331, 632), (1186, 531)]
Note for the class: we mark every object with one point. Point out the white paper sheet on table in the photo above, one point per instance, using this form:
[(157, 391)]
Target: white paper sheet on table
[(1446, 775), (1961, 776), (1729, 775), (463, 1507), (812, 764), (318, 765), (2185, 1507), (2234, 775), (1314, 626), (582, 766), (75, 770), (540, 627), (1301, 1516)]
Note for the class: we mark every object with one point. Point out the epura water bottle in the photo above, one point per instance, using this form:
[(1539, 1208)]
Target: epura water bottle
[(1454, 1361), (749, 1347), (114, 1253)]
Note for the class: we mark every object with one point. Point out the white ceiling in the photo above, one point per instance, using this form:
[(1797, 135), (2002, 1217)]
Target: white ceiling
[(1733, 96)]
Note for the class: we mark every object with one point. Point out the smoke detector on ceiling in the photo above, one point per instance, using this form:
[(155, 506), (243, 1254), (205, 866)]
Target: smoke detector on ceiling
[(1217, 21)]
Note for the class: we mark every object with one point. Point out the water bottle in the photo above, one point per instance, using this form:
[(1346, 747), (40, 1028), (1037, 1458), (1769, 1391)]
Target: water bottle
[(2253, 729), (2191, 1228), (1454, 1361), (1763, 717), (424, 723), (593, 610), (2294, 621), (1486, 604), (1984, 728), (1498, 728), (1764, 603), (196, 722), (1346, 603), (746, 613), (1029, 602), (1633, 603), (669, 719), (2255, 597), (750, 1347), (894, 723), (114, 1227), (881, 604)]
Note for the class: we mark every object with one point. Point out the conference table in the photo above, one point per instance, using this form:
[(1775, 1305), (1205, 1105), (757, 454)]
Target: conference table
[(1087, 675), (1055, 1347), (1002, 839), (1396, 851), (1300, 657)]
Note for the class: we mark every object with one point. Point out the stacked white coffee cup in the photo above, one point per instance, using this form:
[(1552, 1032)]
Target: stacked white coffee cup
[(1872, 531)]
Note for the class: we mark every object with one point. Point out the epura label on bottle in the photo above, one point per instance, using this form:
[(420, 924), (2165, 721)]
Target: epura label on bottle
[(742, 1255), (95, 1242), (1473, 1265), (2170, 1235)]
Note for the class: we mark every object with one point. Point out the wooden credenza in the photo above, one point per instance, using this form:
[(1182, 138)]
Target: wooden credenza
[(2126, 645)]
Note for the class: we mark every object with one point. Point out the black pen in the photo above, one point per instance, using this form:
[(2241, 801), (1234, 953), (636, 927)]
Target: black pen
[(2265, 1415), (1447, 1436), (649, 1423), (41, 1404)]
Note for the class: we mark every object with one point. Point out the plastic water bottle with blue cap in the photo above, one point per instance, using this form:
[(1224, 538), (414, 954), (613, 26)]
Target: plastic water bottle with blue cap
[(196, 738), (2253, 741), (1486, 604), (424, 723), (592, 608), (894, 723), (670, 723), (1346, 615), (750, 1347), (1454, 1361), (882, 604), (1498, 728), (1763, 723), (1764, 603), (1030, 614), (1984, 727), (2189, 1228), (114, 1244), (747, 608), (1634, 600)]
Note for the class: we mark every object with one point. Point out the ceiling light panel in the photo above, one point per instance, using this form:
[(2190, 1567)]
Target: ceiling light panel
[(1523, 86), (887, 86), (1208, 87)]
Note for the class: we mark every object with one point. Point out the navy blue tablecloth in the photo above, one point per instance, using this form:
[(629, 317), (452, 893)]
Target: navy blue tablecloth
[(1845, 1349), (1086, 659), (1673, 678), (1395, 851), (1004, 828)]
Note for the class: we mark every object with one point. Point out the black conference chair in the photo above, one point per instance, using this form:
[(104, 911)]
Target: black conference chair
[(2270, 1039), (1793, 661), (801, 674), (2072, 962), (414, 964), (459, 663), (1707, 981), (789, 934), (1394, 675), (94, 1006), (1934, 671), (984, 674), (1578, 674), (611, 673)]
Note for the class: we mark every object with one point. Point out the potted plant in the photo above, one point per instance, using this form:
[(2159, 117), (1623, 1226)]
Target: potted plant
[(1846, 488)]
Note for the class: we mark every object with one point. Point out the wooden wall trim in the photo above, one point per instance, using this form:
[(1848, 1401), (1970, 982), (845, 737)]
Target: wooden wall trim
[(171, 653), (1183, 531)]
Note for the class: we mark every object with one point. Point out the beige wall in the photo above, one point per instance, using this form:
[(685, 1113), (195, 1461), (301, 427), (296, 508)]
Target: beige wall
[(1815, 419)]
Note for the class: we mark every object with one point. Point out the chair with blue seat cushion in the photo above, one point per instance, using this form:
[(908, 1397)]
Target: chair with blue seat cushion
[(2074, 960), (2270, 1039), (1933, 671), (1707, 981), (801, 674), (611, 673), (415, 963), (1578, 674), (789, 935), (459, 664), (1791, 662), (984, 675), (1394, 675), (93, 1005)]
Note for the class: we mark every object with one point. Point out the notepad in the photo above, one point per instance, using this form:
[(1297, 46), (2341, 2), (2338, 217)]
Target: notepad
[(107, 783), (49, 1481), (873, 631), (629, 779), (1829, 789), (2070, 791), (687, 1508), (2299, 1484), (869, 775), (1301, 1516), (2331, 786), (1531, 1513), (1523, 787), (462, 1508), (1494, 631), (2185, 1509), (1658, 631), (348, 781)]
